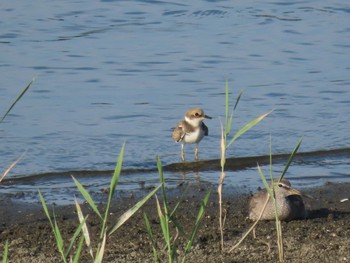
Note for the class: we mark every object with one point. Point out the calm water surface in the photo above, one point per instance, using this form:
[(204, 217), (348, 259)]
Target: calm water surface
[(110, 72)]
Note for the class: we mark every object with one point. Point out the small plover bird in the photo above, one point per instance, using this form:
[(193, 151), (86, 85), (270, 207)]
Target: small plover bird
[(191, 130), (290, 204)]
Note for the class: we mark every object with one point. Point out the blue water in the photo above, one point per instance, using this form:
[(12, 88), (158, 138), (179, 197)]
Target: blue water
[(109, 72)]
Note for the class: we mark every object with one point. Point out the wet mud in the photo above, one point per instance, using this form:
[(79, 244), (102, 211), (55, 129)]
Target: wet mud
[(324, 236)]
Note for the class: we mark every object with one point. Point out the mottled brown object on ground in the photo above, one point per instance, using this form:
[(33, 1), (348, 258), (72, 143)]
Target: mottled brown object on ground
[(323, 237), (289, 202)]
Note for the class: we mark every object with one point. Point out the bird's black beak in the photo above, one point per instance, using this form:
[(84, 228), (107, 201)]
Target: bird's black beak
[(207, 117)]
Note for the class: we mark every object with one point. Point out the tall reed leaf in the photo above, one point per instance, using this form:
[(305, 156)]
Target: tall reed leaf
[(170, 215), (229, 117), (59, 239), (164, 223), (17, 99), (57, 233), (75, 237), (6, 250), (224, 144), (165, 218), (247, 127), (54, 227), (115, 178), (196, 226), (129, 213), (101, 251), (87, 196), (84, 227), (116, 174), (271, 175), (266, 185), (150, 234), (162, 181), (113, 185), (43, 203), (78, 251), (291, 157)]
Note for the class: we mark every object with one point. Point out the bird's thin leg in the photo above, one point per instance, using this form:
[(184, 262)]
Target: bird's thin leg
[(182, 152), (196, 152)]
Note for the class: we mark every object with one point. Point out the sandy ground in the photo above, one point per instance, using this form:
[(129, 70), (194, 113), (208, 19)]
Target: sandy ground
[(323, 237)]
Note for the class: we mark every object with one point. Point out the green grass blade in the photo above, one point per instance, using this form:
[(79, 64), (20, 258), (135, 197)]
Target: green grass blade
[(116, 174), (271, 175), (164, 218), (161, 217), (172, 214), (87, 196), (130, 212), (59, 240), (175, 207), (79, 248), (263, 178), (177, 225), (43, 203), (17, 99), (6, 250), (181, 198), (54, 227), (75, 237), (247, 127), (222, 149), (162, 181), (150, 235), (228, 117), (84, 228), (196, 226), (229, 120), (113, 185), (101, 251), (228, 125), (238, 99), (164, 223), (291, 157)]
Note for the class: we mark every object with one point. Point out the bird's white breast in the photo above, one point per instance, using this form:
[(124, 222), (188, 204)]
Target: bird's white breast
[(194, 137)]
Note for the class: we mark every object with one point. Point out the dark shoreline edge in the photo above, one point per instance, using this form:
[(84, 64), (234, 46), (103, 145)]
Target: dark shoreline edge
[(232, 164)]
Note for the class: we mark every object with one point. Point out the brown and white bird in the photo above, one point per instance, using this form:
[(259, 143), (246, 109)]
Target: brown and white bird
[(290, 204), (191, 130)]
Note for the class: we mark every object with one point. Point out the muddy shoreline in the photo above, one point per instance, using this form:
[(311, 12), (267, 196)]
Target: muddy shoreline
[(323, 237)]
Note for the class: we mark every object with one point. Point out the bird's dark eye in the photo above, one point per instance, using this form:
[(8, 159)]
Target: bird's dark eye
[(280, 185), (196, 114)]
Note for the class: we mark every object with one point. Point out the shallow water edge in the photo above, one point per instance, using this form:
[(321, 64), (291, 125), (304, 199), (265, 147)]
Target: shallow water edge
[(232, 164)]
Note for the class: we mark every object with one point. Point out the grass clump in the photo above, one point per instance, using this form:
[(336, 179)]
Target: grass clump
[(82, 232), (225, 143), (167, 217)]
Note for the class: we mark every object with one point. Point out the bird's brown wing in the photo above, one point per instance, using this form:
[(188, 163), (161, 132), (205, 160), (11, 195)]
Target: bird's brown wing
[(256, 204), (179, 132)]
